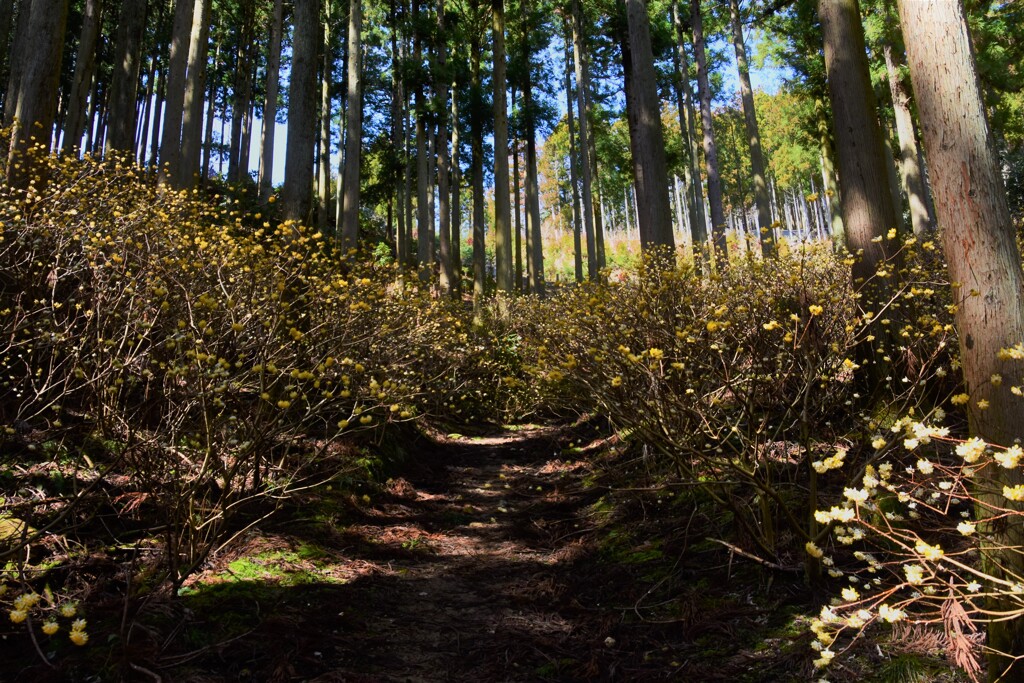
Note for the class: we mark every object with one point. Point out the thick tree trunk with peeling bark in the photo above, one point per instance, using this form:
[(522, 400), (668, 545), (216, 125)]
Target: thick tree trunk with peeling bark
[(984, 261)]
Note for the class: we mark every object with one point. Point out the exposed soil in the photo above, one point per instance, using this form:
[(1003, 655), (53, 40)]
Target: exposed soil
[(495, 558)]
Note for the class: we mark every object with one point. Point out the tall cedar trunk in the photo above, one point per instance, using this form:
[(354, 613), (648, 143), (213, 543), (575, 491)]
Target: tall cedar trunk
[(764, 213), (573, 167), (18, 55), (6, 28), (456, 241), (443, 163), (353, 128), (982, 255), (424, 229), (270, 106), (147, 113), (431, 187), (409, 131), (323, 183), (687, 123), (710, 149), (158, 111), (241, 91), (195, 87), (36, 98), (502, 208), (633, 124), (397, 136), (170, 141), (910, 170), (517, 227), (589, 212), (893, 177), (868, 210), (125, 80), (828, 171), (652, 166), (85, 66), (533, 194), (598, 217), (476, 133), (296, 195), (245, 151), (211, 106)]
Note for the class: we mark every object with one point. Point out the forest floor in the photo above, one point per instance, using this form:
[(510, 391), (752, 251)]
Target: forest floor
[(504, 556)]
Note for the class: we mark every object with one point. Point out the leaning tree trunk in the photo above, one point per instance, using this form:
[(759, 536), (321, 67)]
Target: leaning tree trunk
[(710, 149), (868, 210), (764, 212), (296, 195), (983, 259)]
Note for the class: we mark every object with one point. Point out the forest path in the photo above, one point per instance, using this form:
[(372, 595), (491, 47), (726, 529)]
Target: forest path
[(493, 558)]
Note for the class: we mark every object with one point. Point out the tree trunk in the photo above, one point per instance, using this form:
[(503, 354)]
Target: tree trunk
[(868, 211), (443, 169), (211, 110), (687, 124), (6, 28), (532, 189), (158, 110), (35, 101), (573, 167), (170, 141), (983, 259), (456, 242), (584, 123), (270, 107), (354, 127), (828, 171), (397, 139), (323, 184), (710, 149), (195, 87), (85, 67), (764, 214), (517, 227), (910, 171), (651, 168), (241, 91), (296, 196), (476, 115), (125, 80), (502, 208)]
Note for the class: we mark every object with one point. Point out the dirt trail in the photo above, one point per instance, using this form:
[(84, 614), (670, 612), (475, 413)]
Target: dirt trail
[(481, 564)]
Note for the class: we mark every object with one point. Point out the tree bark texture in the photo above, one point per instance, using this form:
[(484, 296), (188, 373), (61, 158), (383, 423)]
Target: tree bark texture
[(298, 171)]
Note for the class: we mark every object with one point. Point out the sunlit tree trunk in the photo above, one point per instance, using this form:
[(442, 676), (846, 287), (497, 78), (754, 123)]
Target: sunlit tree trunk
[(868, 210), (532, 189), (584, 135), (270, 106), (85, 66), (456, 240), (241, 92), (764, 213), (353, 127), (502, 208), (985, 263), (296, 196), (828, 172), (397, 138), (687, 123), (443, 163), (573, 167), (323, 183), (911, 172), (710, 149), (195, 87)]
